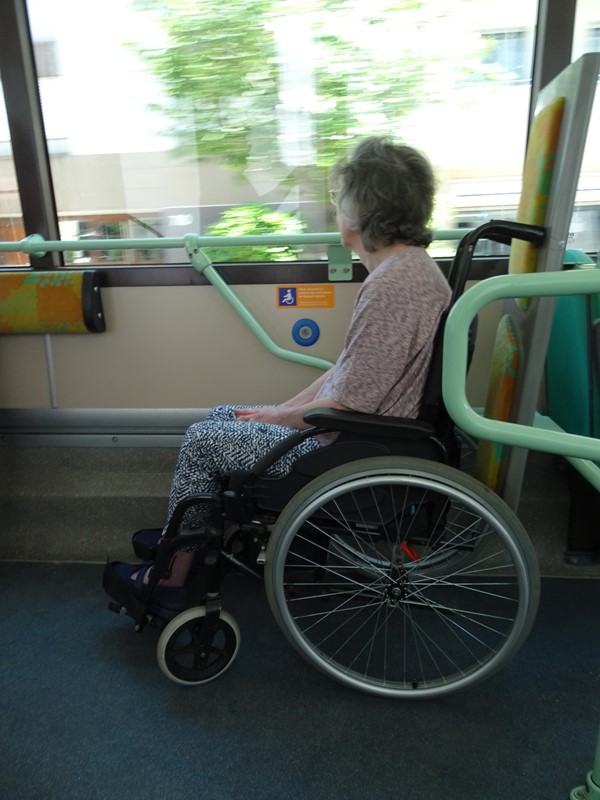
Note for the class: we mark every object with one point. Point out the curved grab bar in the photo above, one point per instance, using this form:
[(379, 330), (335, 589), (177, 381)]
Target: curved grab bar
[(547, 284)]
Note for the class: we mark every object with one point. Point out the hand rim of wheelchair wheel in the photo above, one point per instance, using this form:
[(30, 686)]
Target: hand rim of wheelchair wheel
[(178, 646), (501, 525)]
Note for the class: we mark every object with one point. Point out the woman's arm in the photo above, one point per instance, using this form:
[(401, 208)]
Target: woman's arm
[(291, 416), (291, 412), (308, 394)]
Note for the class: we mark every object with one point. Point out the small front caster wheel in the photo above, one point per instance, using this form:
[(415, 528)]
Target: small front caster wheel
[(184, 656)]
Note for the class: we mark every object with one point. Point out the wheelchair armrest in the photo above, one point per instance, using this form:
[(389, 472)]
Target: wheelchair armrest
[(332, 419)]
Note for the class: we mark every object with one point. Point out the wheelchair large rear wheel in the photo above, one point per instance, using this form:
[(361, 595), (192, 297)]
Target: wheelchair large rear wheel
[(402, 577)]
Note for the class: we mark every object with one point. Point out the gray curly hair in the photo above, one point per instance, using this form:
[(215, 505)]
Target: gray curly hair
[(387, 190)]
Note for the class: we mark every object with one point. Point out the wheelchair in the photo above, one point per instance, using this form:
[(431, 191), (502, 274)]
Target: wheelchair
[(386, 566)]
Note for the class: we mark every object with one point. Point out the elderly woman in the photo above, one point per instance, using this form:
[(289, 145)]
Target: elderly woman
[(384, 199)]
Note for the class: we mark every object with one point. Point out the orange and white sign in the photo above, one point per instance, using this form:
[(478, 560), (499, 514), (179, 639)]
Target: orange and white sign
[(305, 295)]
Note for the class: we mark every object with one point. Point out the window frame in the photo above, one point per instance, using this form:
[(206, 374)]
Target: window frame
[(26, 126)]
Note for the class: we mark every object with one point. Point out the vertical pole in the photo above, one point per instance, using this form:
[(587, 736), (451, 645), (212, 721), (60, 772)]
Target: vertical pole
[(553, 44), (591, 791)]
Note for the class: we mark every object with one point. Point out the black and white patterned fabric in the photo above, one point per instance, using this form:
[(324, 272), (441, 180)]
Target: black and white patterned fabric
[(213, 448)]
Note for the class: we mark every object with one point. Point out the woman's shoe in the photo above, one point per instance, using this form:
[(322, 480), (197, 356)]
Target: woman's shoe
[(164, 601), (147, 541)]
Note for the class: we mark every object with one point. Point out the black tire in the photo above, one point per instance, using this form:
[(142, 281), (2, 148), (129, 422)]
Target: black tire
[(181, 657), (402, 577)]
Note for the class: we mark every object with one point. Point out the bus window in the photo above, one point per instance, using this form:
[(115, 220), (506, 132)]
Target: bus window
[(226, 117)]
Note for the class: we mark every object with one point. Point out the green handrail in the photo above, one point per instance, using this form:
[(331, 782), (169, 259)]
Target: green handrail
[(591, 790), (547, 284), (35, 245)]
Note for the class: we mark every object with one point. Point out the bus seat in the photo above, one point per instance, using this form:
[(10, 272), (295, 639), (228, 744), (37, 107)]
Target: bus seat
[(57, 301)]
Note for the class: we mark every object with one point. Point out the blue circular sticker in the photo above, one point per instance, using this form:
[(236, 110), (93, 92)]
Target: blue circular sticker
[(305, 332)]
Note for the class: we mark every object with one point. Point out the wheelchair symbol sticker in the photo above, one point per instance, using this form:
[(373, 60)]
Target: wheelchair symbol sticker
[(306, 296), (287, 295)]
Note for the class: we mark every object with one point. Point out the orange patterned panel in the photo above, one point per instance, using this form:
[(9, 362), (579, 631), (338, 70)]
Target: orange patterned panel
[(537, 180), (504, 372)]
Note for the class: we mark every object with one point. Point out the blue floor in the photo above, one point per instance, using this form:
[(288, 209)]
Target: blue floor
[(85, 713)]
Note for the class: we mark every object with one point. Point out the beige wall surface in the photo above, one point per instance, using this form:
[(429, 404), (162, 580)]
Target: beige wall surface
[(171, 347), (23, 372), (184, 347)]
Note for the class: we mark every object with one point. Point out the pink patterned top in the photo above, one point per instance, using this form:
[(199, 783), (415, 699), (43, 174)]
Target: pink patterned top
[(383, 366)]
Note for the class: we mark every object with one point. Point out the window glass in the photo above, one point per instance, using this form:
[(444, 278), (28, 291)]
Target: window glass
[(585, 225), (11, 220), (510, 52), (207, 116)]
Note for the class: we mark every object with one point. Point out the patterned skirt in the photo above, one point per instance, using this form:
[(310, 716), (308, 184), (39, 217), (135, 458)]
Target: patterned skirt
[(220, 444)]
